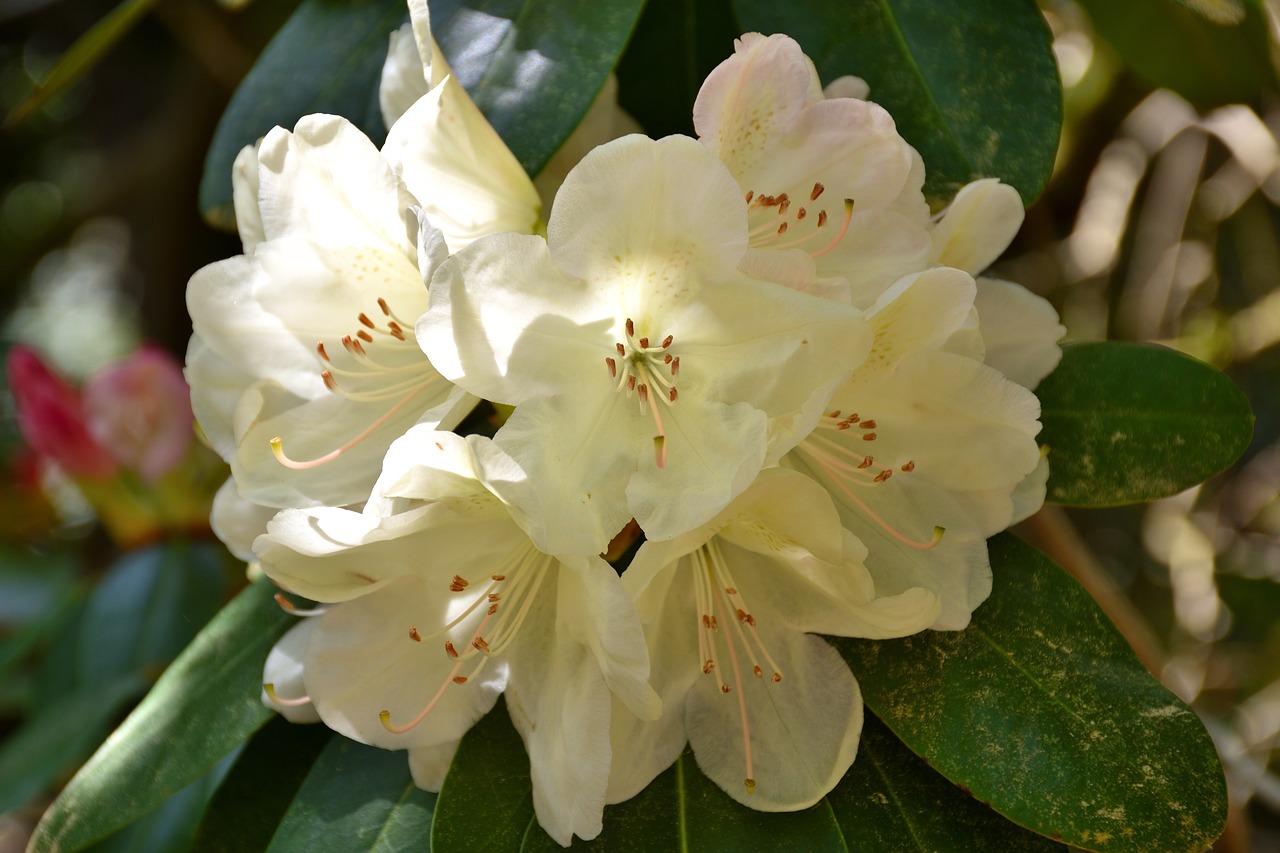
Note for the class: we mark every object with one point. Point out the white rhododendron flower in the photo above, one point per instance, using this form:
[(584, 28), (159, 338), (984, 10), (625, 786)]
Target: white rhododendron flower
[(651, 378), (443, 602), (730, 610)]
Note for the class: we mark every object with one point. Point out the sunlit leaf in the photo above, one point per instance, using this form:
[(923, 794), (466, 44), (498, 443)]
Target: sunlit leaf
[(359, 798), (206, 703), (972, 84), (1040, 709), (533, 66), (327, 58), (1126, 423)]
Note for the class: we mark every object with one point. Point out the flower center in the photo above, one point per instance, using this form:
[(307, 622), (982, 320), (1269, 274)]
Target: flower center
[(649, 372), (378, 363), (504, 600), (718, 599), (832, 448), (771, 217)]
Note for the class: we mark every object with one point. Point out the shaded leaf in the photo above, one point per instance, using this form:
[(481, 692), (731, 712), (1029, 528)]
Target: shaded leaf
[(972, 84), (533, 66), (1127, 422), (891, 800), (1040, 709), (327, 58), (359, 798), (206, 703)]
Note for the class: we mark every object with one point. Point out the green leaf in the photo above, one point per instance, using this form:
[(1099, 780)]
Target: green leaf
[(1182, 46), (533, 66), (692, 37), (1040, 709), (206, 703), (327, 58), (257, 792), (891, 800), (55, 739), (359, 798), (972, 84), (489, 777), (1127, 422)]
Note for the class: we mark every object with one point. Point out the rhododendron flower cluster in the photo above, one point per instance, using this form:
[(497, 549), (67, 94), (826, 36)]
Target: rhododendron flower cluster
[(760, 346)]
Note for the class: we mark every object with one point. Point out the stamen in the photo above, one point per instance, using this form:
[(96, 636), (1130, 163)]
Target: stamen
[(364, 320), (270, 689), (458, 584), (321, 350), (817, 191), (414, 635), (294, 610), (277, 443), (844, 228)]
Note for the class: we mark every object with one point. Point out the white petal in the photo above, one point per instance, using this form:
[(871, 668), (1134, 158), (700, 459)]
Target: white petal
[(1020, 330), (403, 81), (430, 764), (919, 312), (244, 196), (979, 225), (216, 386), (238, 522), (284, 671)]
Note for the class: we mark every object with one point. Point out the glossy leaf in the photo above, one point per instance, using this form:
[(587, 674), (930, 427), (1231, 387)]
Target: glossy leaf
[(327, 58), (257, 792), (1126, 423), (490, 777), (1040, 709), (533, 66), (206, 703), (972, 85), (1173, 44), (891, 800), (359, 798)]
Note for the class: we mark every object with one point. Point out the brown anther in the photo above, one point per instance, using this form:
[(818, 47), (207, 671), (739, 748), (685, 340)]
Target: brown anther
[(783, 205), (729, 590), (329, 381), (365, 321), (386, 309), (459, 679), (817, 191), (909, 467), (834, 414), (414, 635), (622, 351), (449, 649), (631, 328), (480, 644), (675, 366), (397, 331), (493, 608), (499, 577), (706, 621), (666, 342), (871, 424), (801, 214), (822, 218), (708, 666), (644, 343), (867, 462), (777, 676), (459, 583), (725, 688), (782, 229), (357, 347), (672, 395), (744, 616), (666, 359), (843, 426), (750, 195), (321, 350), (758, 671), (715, 624), (364, 336), (869, 436), (631, 383), (613, 367), (883, 475), (493, 596)]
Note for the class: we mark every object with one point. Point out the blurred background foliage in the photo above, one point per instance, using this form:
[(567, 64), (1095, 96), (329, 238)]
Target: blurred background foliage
[(1160, 223)]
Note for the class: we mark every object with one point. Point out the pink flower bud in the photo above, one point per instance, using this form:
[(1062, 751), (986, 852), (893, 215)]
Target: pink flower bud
[(140, 410), (51, 417)]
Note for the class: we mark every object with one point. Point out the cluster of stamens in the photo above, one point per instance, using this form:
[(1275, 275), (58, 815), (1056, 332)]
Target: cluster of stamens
[(717, 595), (363, 367), (767, 228), (505, 600), (649, 372), (849, 469)]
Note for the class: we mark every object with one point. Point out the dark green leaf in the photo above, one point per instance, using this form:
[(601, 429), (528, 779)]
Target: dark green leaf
[(55, 739), (891, 800), (171, 828), (206, 703), (1040, 709), (1171, 45), (257, 792), (972, 85), (359, 798), (1126, 423), (31, 582), (326, 59), (533, 66), (489, 777), (147, 608), (684, 810), (692, 37)]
